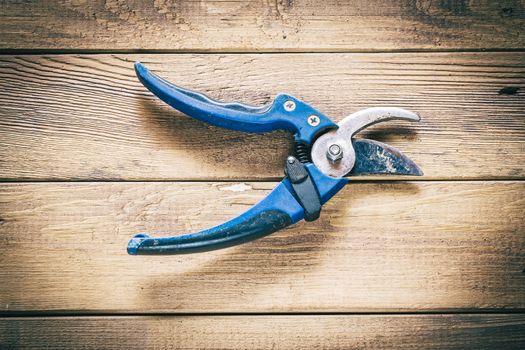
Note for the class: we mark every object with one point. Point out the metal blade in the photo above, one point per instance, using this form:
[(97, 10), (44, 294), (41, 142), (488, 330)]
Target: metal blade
[(340, 140), (374, 157), (366, 117)]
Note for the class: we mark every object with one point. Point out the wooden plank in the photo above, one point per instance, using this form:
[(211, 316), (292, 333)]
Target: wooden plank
[(87, 117), (299, 25), (377, 247), (506, 331)]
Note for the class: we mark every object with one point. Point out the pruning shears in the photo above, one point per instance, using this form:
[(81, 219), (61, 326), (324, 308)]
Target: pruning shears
[(324, 154)]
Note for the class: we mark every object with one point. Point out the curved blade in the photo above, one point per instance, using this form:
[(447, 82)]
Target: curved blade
[(372, 157), (359, 120)]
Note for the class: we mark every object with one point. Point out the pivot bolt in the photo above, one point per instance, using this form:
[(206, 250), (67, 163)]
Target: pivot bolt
[(314, 120), (289, 105), (334, 153)]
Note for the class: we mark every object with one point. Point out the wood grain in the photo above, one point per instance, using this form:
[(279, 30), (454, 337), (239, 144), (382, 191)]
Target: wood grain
[(69, 117), (299, 25), (267, 332), (381, 247), (377, 247)]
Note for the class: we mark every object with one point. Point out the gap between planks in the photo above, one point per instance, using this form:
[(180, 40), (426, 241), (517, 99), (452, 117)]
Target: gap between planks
[(85, 314), (29, 52), (361, 180)]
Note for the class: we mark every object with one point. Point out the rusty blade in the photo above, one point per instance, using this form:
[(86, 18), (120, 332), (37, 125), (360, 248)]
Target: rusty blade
[(374, 157)]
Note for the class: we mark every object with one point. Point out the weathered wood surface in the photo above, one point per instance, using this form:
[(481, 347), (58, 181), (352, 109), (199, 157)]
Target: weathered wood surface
[(266, 332), (406, 247), (300, 25), (87, 117), (377, 247)]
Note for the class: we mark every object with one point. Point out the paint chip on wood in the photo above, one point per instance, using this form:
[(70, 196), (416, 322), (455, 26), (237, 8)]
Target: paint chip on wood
[(236, 187)]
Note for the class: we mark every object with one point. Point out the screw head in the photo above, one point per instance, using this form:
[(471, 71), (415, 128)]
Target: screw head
[(289, 105), (314, 120), (334, 153), (290, 160), (334, 149)]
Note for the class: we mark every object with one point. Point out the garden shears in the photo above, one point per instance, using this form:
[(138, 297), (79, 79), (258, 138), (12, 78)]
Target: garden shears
[(324, 153)]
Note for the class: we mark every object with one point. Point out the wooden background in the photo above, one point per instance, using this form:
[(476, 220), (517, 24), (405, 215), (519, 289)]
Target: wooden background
[(88, 158)]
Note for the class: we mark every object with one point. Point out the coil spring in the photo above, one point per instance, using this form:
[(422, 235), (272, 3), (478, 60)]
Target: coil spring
[(301, 152)]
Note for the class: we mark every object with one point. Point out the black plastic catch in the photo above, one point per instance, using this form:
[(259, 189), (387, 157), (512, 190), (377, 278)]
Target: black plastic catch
[(304, 188)]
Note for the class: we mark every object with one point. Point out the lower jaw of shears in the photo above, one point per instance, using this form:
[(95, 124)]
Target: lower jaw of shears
[(376, 158)]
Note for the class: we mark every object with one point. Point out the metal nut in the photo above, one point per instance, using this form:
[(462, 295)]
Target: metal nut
[(289, 105), (314, 120), (334, 153)]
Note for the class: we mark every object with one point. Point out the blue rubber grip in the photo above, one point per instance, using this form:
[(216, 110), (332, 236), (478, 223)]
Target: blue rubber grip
[(276, 211), (237, 116)]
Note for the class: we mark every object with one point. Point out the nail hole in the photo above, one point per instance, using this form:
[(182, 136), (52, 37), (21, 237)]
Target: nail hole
[(506, 11), (509, 90)]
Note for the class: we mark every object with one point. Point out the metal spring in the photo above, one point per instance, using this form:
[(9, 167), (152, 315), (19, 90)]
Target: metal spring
[(301, 152)]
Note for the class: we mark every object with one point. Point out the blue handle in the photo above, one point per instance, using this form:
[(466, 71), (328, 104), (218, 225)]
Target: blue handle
[(276, 211), (238, 116)]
